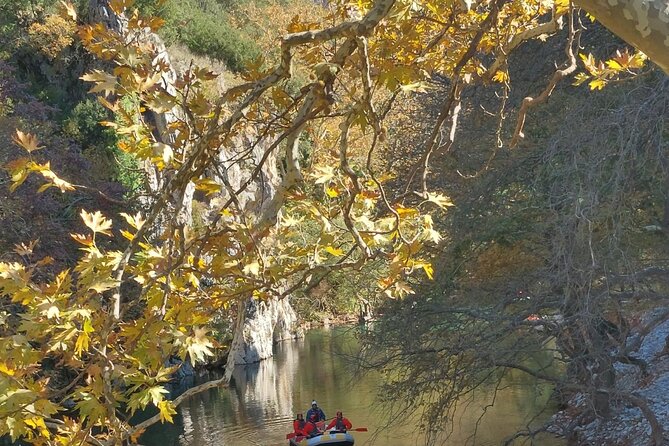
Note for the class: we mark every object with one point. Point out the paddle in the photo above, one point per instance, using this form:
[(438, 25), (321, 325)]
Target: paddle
[(356, 429)]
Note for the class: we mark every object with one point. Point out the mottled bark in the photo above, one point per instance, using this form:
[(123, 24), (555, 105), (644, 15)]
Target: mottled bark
[(641, 23)]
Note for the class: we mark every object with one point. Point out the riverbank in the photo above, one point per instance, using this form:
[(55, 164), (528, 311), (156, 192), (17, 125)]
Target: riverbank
[(628, 423), (260, 405)]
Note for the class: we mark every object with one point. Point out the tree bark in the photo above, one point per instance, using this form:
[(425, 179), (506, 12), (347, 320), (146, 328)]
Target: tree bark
[(643, 24)]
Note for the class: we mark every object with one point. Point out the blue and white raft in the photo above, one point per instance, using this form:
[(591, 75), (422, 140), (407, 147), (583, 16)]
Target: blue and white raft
[(329, 438)]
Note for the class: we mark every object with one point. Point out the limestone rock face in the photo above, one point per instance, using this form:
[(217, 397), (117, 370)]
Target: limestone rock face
[(259, 324), (264, 323)]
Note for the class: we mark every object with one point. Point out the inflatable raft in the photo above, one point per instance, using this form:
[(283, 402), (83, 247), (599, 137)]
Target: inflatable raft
[(331, 438)]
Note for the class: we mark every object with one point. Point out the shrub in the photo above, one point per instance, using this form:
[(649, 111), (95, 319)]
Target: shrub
[(83, 125), (205, 28), (51, 36)]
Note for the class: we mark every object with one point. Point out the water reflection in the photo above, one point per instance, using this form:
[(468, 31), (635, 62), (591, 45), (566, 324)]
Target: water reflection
[(259, 406)]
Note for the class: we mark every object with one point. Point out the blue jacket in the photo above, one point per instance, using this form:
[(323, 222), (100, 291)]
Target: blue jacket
[(320, 415)]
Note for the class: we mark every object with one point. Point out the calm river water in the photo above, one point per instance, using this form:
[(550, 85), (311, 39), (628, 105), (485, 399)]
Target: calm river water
[(258, 409)]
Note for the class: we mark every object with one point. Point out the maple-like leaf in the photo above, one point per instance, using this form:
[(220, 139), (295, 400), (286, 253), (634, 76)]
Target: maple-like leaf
[(440, 200), (96, 222), (104, 82), (26, 140)]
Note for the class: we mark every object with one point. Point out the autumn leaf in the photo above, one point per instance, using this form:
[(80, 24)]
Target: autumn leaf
[(323, 174), (104, 82), (85, 240), (199, 346), (406, 212), (6, 370), (26, 140), (440, 200), (166, 409), (251, 268), (501, 76), (337, 252), (101, 285), (54, 180), (208, 186), (135, 221), (96, 222), (90, 407), (25, 250)]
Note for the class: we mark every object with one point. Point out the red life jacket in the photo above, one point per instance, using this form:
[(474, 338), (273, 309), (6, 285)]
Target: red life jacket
[(309, 428), (298, 426), (340, 424)]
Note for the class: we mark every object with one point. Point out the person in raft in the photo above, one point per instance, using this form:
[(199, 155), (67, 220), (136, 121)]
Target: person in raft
[(340, 423), (299, 425), (320, 415), (310, 429)]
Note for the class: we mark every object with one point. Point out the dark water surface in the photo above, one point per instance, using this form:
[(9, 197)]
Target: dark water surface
[(259, 407)]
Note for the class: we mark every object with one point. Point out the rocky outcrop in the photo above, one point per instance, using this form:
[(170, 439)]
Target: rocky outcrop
[(627, 424), (262, 324), (259, 324)]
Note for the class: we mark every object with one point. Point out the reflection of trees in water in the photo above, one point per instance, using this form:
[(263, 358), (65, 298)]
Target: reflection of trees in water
[(265, 390)]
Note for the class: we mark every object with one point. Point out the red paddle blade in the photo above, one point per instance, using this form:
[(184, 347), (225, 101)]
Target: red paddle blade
[(359, 429), (291, 435)]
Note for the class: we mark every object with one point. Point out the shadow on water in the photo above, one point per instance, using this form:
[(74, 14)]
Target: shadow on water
[(260, 404)]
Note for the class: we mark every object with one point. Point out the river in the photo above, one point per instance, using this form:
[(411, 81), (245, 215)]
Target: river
[(258, 409)]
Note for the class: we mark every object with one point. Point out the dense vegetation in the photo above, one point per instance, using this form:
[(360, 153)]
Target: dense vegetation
[(313, 174)]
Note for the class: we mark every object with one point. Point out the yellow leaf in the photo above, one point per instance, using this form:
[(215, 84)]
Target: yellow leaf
[(166, 411), (55, 181), (252, 268), (501, 76), (427, 267), (19, 170), (135, 221), (331, 192), (193, 280), (324, 174), (406, 212), (6, 370), (597, 84), (104, 82), (208, 186), (580, 78), (82, 343), (163, 151), (25, 250), (52, 312), (614, 65), (97, 222), (638, 60), (338, 252), (418, 87), (102, 285)]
